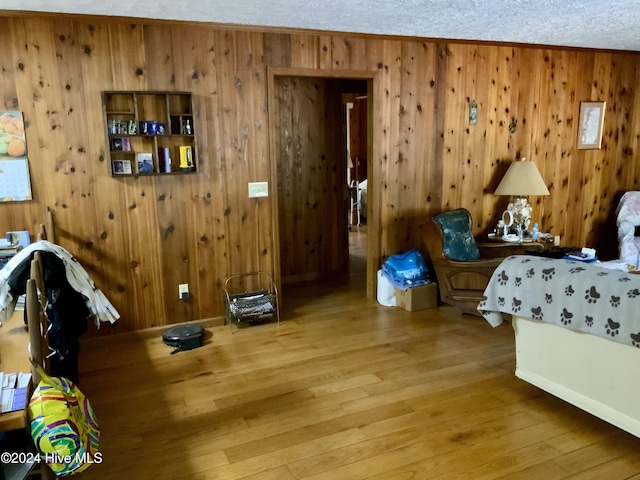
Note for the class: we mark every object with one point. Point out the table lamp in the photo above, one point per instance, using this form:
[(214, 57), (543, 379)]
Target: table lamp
[(521, 180)]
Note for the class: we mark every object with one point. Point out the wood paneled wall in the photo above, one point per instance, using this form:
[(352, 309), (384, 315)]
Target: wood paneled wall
[(358, 142), (311, 171), (139, 238)]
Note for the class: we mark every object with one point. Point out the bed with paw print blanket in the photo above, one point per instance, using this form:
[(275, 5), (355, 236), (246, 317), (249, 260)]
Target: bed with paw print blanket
[(573, 295)]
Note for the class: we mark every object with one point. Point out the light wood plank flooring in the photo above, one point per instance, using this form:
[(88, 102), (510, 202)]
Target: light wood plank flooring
[(343, 389)]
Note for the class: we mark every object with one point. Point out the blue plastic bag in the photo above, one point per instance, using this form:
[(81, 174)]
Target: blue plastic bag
[(406, 270)]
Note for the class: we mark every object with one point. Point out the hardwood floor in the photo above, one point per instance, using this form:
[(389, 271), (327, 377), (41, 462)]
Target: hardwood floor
[(343, 389)]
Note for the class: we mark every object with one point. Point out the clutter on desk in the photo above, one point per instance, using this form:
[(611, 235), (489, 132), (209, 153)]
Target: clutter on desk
[(14, 242), (586, 255), (20, 238), (14, 391)]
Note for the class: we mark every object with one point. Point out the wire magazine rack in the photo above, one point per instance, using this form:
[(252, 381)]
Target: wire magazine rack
[(249, 299)]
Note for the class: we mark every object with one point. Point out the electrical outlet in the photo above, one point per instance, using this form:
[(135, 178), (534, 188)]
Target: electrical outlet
[(183, 291)]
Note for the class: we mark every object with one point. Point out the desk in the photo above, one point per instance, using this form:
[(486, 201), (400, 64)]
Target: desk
[(14, 357)]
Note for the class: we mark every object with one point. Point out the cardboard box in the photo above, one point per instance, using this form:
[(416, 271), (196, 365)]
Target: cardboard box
[(418, 298)]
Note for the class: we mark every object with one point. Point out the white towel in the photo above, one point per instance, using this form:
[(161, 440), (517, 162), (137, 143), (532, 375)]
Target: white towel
[(98, 304)]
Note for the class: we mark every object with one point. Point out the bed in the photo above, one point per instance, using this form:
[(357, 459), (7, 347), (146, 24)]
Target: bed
[(577, 332)]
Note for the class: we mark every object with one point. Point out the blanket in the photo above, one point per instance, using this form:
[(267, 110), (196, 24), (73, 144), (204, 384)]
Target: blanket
[(570, 294)]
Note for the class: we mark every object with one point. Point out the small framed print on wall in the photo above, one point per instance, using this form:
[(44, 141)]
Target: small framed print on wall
[(590, 125)]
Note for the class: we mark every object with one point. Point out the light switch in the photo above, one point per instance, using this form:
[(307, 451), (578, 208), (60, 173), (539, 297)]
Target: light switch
[(258, 189)]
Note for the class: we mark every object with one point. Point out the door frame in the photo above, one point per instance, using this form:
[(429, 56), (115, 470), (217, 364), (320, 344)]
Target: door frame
[(373, 220)]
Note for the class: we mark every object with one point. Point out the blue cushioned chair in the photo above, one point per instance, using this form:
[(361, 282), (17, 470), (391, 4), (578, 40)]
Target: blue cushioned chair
[(461, 272)]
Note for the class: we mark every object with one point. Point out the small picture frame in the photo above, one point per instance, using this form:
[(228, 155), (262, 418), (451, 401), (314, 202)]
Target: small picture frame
[(145, 163), (116, 144), (120, 144), (121, 167), (590, 125)]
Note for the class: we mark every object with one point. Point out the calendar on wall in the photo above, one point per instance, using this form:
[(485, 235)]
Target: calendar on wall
[(15, 183)]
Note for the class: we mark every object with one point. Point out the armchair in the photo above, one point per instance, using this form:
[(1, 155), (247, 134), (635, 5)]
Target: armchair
[(461, 272)]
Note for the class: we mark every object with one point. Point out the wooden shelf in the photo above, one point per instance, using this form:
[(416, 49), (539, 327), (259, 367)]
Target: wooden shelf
[(130, 149)]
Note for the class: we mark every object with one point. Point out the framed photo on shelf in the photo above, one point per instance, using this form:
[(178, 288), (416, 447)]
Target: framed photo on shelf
[(121, 167), (590, 125), (145, 162), (120, 145)]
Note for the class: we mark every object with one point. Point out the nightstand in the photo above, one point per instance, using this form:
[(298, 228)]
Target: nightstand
[(498, 248)]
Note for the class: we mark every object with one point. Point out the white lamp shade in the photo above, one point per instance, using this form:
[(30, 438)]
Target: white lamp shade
[(521, 180)]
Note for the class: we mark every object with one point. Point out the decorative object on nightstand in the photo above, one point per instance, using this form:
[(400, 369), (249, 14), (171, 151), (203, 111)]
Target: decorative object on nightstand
[(521, 180)]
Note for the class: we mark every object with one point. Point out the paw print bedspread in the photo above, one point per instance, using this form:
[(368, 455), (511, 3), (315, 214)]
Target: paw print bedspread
[(574, 295)]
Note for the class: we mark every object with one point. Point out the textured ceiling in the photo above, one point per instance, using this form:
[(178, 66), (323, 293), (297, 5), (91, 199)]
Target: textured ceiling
[(605, 24)]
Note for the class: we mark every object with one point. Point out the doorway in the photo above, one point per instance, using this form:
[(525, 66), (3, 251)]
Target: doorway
[(310, 174)]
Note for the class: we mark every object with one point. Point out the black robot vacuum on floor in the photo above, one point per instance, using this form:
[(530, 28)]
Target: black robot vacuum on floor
[(184, 337)]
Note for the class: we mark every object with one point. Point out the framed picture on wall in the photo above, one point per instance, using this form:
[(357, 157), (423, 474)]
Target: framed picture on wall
[(590, 125)]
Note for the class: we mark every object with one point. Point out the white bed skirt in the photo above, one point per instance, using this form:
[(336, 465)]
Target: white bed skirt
[(595, 374)]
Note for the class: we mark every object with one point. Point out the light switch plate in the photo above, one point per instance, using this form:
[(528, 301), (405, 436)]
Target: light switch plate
[(258, 189)]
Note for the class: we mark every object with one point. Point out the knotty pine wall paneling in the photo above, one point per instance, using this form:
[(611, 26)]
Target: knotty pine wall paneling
[(483, 88), (196, 71), (580, 173), (411, 171), (140, 237), (164, 71), (311, 177), (389, 157), (558, 105), (140, 247)]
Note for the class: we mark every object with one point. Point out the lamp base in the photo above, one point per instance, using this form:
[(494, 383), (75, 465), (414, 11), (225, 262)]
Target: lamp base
[(520, 208)]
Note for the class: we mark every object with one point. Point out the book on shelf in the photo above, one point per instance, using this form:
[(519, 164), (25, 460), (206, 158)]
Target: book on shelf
[(121, 167), (164, 160)]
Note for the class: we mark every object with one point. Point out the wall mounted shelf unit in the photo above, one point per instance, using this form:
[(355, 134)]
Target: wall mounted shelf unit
[(149, 133)]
